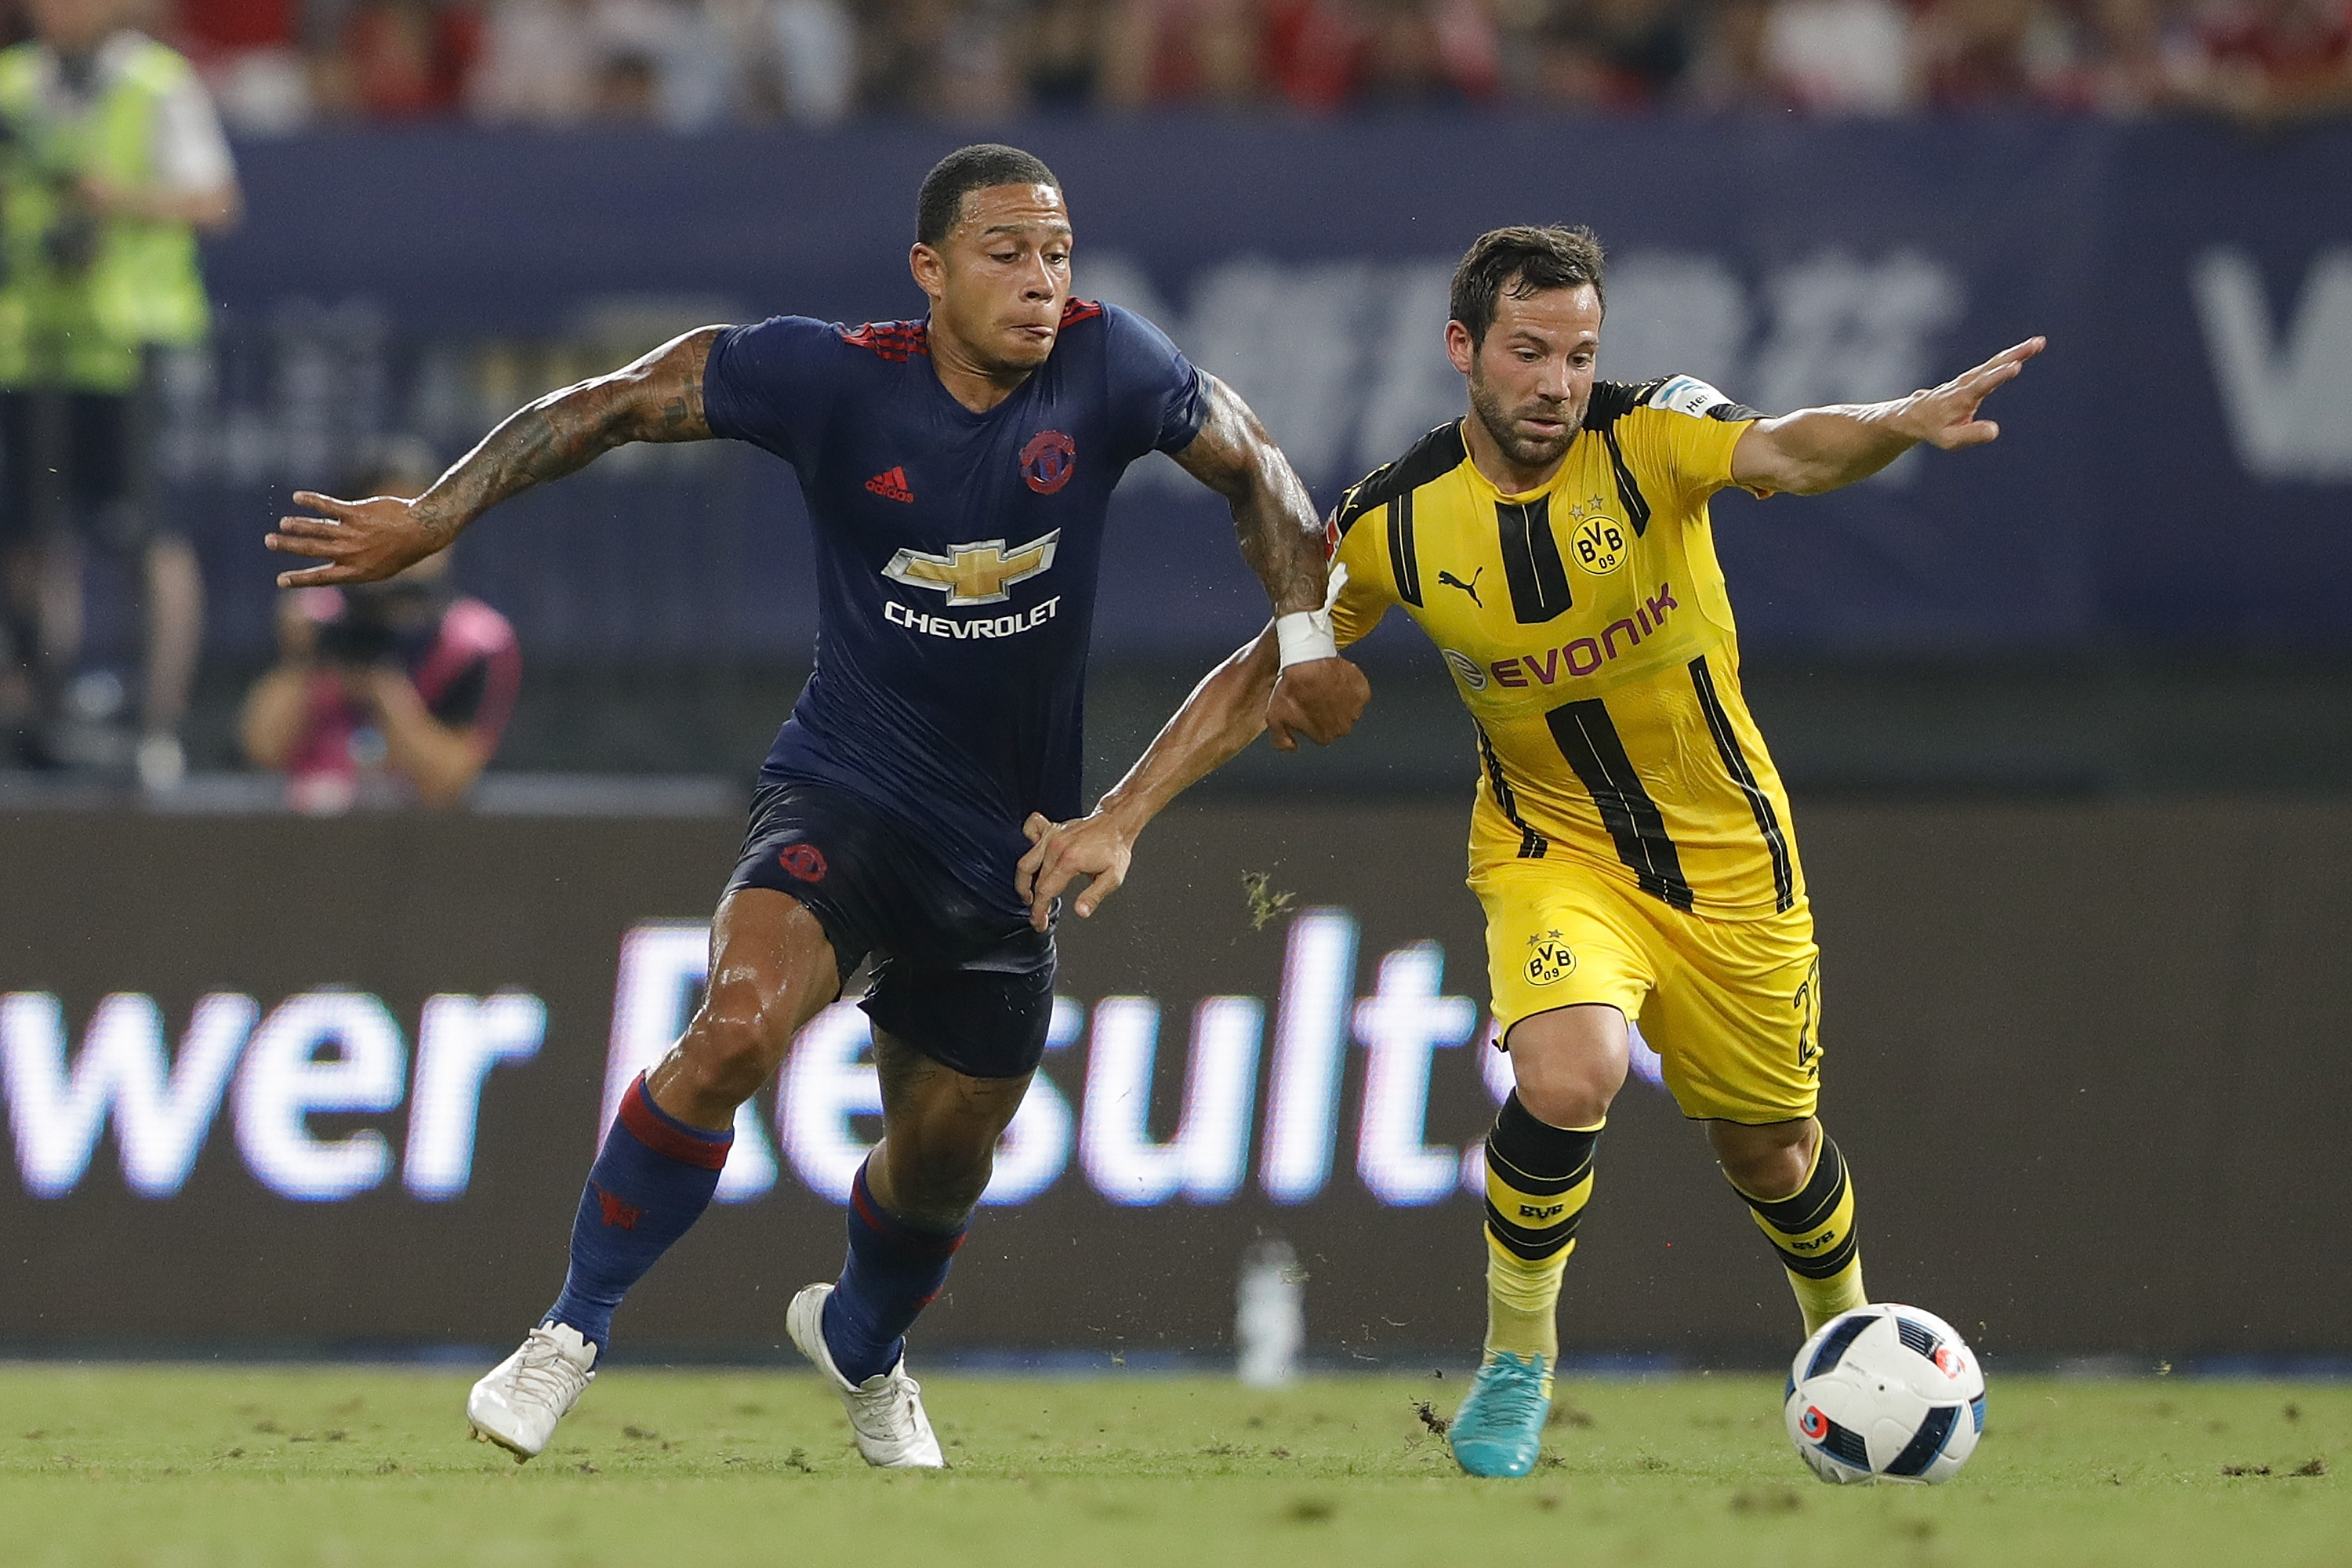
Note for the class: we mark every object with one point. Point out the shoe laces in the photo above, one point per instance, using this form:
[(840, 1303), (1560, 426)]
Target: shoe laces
[(893, 1404), (1509, 1395), (546, 1374)]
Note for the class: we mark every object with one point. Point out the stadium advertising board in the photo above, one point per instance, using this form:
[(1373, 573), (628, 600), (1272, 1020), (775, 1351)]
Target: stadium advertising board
[(275, 1082), (2194, 375)]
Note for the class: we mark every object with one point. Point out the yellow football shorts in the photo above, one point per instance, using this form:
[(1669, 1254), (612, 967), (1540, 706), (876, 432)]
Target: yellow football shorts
[(1732, 1007)]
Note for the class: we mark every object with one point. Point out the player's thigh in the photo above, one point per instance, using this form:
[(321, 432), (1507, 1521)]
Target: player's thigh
[(1736, 1019), (1569, 1063), (771, 970), (981, 1013), (812, 874), (955, 1114), (1560, 936), (772, 947)]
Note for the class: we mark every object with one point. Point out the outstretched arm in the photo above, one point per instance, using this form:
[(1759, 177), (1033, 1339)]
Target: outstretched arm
[(1216, 725), (1817, 449), (656, 398), (1317, 693)]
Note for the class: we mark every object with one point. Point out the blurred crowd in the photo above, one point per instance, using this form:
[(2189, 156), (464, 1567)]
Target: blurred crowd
[(686, 64)]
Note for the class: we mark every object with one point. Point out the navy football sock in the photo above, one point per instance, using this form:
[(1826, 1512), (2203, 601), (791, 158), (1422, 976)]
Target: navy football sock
[(893, 1273), (651, 1182)]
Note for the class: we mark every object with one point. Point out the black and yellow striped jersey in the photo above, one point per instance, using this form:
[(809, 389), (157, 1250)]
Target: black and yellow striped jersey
[(1589, 632)]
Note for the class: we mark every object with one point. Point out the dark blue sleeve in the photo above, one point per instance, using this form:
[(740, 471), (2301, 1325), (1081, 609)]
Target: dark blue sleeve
[(1159, 402), (772, 383)]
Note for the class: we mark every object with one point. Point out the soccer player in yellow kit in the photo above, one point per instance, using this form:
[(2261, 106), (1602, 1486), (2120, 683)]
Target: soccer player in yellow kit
[(1631, 842)]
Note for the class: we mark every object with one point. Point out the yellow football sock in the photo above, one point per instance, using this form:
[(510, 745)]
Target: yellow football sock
[(1813, 1233), (1538, 1178)]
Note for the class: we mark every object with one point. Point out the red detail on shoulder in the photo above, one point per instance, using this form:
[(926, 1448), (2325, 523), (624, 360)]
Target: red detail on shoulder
[(647, 1126), (891, 486), (893, 341), (1080, 310), (1332, 534), (803, 862)]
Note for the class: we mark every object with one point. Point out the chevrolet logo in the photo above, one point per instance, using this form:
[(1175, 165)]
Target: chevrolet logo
[(977, 574)]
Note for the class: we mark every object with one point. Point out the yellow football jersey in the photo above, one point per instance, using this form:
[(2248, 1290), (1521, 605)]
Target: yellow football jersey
[(1589, 633)]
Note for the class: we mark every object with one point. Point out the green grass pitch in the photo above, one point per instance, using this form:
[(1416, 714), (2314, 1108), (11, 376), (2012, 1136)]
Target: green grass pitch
[(191, 1467)]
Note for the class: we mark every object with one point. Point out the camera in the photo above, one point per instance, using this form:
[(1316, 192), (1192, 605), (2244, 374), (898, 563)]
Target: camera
[(367, 631)]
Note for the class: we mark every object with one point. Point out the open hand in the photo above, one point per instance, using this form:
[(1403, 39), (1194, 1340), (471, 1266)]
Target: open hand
[(1945, 415), (359, 541), (1060, 852), (1321, 699)]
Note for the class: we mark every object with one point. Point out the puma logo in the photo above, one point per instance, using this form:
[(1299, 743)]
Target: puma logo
[(1471, 588)]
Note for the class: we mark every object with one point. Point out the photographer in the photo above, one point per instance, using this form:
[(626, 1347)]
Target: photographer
[(114, 160), (403, 677)]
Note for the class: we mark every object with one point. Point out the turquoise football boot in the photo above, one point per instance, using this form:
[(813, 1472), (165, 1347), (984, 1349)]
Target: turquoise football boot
[(1498, 1431)]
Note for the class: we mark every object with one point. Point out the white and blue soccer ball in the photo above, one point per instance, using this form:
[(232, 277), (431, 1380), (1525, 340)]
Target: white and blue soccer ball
[(1885, 1393)]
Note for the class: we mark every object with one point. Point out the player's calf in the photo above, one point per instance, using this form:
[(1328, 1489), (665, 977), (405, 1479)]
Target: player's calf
[(854, 1331), (1794, 1181), (651, 1182), (1539, 1180), (896, 1268)]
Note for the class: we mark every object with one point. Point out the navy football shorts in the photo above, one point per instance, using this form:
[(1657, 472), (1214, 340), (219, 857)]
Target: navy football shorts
[(969, 986)]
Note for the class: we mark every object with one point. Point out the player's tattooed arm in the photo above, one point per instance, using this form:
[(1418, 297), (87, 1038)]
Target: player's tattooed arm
[(1282, 540), (1817, 449), (655, 398), (1224, 713), (1281, 537)]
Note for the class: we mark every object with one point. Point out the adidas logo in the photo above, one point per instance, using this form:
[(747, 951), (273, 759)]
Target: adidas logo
[(891, 486)]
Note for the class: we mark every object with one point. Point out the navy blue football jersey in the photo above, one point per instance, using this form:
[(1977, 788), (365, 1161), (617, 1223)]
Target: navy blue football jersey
[(957, 558)]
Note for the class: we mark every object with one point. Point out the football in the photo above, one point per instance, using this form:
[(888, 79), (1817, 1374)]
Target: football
[(1885, 1393)]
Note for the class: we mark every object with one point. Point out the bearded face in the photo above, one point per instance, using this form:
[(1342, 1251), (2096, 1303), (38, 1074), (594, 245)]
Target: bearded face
[(1531, 375), (1533, 429)]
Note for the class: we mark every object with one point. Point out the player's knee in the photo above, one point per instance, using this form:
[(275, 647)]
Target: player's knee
[(1765, 1161), (1566, 1099), (732, 1047), (1567, 1068)]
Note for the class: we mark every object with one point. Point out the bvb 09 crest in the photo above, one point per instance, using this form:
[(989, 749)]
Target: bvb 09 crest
[(1549, 959)]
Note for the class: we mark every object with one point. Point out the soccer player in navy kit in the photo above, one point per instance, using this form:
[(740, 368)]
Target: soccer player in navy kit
[(957, 471)]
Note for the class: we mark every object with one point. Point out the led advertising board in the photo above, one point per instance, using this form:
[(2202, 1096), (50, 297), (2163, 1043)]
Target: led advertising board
[(280, 1083)]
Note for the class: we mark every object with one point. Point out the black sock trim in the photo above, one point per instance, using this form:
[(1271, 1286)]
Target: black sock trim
[(1537, 1150), (1534, 1245), (1827, 1264), (1814, 1203), (1537, 1186)]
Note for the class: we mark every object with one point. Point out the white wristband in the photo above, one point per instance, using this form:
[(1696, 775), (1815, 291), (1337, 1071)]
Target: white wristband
[(1306, 635)]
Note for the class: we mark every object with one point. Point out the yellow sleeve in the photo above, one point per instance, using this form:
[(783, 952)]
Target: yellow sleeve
[(1690, 429), (1362, 585)]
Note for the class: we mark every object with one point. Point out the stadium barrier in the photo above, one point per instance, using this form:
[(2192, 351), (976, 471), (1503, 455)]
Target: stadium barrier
[(2171, 473), (276, 1083)]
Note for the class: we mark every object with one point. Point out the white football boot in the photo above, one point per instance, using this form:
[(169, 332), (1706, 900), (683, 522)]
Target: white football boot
[(885, 1411), (518, 1404)]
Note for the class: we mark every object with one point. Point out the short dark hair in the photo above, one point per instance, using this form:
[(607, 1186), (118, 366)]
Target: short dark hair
[(1521, 260), (970, 169)]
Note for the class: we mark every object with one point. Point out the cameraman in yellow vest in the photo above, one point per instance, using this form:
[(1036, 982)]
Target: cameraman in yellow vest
[(114, 158)]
